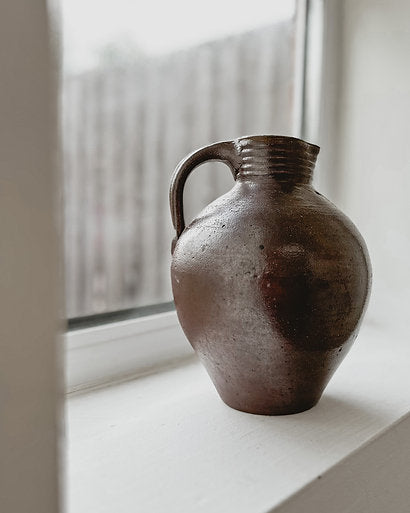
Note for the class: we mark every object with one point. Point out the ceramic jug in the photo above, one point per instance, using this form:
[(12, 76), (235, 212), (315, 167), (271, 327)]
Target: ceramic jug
[(271, 280)]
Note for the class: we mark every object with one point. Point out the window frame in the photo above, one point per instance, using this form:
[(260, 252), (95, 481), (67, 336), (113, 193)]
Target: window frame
[(113, 352)]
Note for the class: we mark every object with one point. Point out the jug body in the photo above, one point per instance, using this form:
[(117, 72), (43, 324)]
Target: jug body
[(271, 281)]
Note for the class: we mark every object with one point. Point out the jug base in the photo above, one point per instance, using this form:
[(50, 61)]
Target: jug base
[(272, 409)]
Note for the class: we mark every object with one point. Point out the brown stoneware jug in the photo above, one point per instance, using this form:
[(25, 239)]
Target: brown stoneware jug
[(270, 281)]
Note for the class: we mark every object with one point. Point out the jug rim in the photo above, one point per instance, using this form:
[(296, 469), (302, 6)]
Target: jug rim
[(283, 139)]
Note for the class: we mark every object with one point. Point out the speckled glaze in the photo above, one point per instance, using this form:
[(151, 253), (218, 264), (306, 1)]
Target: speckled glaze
[(270, 281)]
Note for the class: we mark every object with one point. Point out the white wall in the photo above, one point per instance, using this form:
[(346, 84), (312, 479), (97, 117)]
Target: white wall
[(367, 101), (29, 300)]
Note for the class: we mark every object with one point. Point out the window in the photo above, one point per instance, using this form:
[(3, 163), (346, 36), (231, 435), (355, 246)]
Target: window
[(141, 89)]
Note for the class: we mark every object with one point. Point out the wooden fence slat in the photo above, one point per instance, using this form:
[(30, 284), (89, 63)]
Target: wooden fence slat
[(99, 286), (149, 171), (110, 138), (132, 148)]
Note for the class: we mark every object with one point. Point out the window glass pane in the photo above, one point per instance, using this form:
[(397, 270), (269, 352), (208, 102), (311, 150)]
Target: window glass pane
[(141, 89)]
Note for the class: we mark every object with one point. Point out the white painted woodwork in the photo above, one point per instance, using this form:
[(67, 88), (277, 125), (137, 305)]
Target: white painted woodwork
[(365, 137), (29, 294), (166, 443), (123, 350)]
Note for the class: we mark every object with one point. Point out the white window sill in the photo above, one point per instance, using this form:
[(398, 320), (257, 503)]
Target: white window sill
[(166, 443)]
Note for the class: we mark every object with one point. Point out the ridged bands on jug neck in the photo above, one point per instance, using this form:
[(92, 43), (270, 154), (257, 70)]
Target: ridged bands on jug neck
[(284, 158)]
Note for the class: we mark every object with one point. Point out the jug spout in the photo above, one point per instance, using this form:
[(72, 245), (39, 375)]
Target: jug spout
[(284, 158)]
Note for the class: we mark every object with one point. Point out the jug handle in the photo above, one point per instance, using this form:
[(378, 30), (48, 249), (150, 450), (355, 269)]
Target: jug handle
[(225, 151)]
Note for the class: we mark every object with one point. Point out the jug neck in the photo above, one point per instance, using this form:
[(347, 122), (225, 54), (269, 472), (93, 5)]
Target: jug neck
[(286, 159)]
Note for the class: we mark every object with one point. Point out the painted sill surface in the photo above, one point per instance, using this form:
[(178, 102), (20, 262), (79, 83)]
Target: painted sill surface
[(166, 443)]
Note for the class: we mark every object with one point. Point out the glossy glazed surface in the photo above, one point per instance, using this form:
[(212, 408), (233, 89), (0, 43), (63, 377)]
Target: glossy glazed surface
[(270, 283)]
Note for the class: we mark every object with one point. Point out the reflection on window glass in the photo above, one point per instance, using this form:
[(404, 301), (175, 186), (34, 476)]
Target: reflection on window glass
[(141, 89)]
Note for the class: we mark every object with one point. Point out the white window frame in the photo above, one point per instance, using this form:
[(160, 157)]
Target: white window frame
[(113, 352)]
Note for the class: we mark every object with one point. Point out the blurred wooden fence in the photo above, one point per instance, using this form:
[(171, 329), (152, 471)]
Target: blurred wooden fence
[(124, 130)]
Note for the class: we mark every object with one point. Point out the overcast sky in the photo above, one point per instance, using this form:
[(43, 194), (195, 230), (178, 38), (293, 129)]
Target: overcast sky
[(157, 26)]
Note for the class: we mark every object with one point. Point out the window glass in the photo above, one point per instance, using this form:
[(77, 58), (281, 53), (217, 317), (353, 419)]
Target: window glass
[(142, 87)]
